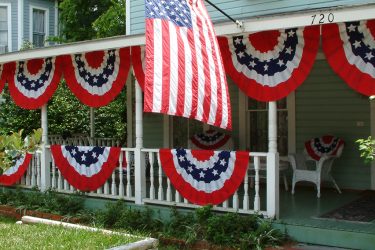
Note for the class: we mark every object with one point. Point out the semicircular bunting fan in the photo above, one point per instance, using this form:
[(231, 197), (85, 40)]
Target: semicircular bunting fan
[(13, 174)]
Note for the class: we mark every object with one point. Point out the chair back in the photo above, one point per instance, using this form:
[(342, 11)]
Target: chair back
[(327, 145)]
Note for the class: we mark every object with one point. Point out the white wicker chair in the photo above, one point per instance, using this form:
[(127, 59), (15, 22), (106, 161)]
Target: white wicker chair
[(322, 167)]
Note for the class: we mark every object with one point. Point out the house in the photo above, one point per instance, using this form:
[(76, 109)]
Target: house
[(323, 104), (26, 20)]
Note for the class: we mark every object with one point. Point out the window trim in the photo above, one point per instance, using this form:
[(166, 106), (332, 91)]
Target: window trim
[(291, 109), (9, 10), (31, 23)]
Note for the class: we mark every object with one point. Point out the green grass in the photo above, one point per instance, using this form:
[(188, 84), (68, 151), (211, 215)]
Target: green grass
[(13, 236)]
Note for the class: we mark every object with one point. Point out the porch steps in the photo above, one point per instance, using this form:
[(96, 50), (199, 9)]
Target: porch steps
[(329, 235)]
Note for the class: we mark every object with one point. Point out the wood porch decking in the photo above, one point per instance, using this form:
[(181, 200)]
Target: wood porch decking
[(299, 217)]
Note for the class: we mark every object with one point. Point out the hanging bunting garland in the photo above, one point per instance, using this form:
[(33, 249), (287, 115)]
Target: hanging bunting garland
[(2, 77), (350, 50), (96, 78), (323, 146), (202, 176), (32, 83), (269, 65), (13, 174), (210, 139), (85, 167), (138, 62)]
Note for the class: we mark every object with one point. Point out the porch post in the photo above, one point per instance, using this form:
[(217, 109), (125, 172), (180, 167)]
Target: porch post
[(129, 112), (92, 122), (272, 163), (45, 171), (140, 173)]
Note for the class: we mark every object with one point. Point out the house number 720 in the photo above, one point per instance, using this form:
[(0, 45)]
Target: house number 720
[(322, 18)]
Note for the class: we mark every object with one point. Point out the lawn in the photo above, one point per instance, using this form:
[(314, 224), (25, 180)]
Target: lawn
[(13, 236)]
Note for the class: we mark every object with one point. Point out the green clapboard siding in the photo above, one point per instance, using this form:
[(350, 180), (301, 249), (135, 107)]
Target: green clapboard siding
[(241, 9), (326, 105)]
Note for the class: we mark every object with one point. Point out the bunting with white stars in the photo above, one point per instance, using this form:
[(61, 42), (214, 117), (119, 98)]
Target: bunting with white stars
[(32, 83), (327, 145), (2, 77), (350, 50), (210, 140), (138, 63), (202, 176), (86, 167), (269, 65), (13, 174), (96, 78)]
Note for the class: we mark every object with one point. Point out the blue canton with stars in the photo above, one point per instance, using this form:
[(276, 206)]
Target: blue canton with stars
[(324, 149), (85, 156), (272, 66), (93, 79), (359, 48), (206, 175), (175, 11), (36, 84)]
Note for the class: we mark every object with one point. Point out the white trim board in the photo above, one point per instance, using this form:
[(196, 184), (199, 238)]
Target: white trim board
[(342, 14), (20, 13), (9, 12), (31, 21)]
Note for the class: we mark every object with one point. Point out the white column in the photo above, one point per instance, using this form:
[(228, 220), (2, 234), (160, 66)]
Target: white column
[(140, 173), (272, 163), (45, 156), (92, 122), (129, 112)]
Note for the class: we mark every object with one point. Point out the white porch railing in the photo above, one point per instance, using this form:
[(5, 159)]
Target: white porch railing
[(251, 197), (84, 141)]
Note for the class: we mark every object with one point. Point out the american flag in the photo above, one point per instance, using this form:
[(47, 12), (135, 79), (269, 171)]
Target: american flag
[(184, 70)]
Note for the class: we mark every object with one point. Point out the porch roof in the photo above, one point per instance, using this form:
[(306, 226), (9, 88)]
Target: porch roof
[(298, 19)]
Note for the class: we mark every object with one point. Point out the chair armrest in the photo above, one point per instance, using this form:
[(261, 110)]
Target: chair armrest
[(292, 159), (323, 159)]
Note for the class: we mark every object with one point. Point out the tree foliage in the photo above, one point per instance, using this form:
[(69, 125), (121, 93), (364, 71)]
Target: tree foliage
[(111, 22)]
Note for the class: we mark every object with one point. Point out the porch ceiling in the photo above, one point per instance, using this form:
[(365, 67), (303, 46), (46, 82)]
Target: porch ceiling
[(341, 14)]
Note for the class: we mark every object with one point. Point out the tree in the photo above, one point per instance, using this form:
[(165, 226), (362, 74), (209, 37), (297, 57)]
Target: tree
[(111, 22), (77, 16)]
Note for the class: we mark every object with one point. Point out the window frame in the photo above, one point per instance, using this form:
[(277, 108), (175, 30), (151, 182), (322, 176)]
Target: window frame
[(9, 24), (290, 109), (46, 23)]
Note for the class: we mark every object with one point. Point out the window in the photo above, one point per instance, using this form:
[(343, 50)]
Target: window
[(39, 27), (183, 129), (257, 121), (3, 29)]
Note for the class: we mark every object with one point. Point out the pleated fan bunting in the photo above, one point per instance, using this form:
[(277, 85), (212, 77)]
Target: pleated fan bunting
[(14, 174)]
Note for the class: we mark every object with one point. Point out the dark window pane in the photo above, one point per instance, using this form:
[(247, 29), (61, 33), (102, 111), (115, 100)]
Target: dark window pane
[(180, 135), (254, 104)]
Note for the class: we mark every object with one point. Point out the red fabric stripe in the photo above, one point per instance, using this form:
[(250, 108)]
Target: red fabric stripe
[(166, 60), (12, 179), (149, 80), (136, 54), (194, 101), (181, 75)]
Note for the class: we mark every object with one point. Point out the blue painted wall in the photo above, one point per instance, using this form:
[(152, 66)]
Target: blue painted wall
[(241, 9)]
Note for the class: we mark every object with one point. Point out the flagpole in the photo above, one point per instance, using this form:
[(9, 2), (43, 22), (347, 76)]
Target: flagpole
[(239, 23)]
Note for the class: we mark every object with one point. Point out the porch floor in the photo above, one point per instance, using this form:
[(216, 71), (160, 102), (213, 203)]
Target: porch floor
[(299, 217)]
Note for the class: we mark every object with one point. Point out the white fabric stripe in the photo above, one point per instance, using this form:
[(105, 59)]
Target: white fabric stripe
[(368, 38), (12, 170), (95, 71), (173, 65), (37, 75), (223, 82), (211, 67), (188, 73), (158, 67), (277, 78), (85, 170), (201, 77), (358, 61)]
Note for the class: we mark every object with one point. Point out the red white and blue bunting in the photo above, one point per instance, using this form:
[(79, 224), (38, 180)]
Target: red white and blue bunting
[(138, 63), (96, 78), (86, 167), (2, 77), (323, 146), (204, 177), (13, 174), (32, 83), (210, 140), (269, 65), (350, 50)]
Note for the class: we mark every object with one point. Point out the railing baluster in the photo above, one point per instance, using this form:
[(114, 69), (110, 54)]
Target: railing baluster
[(59, 181), (177, 197), (33, 171), (246, 192), (38, 165), (128, 175), (256, 198), (113, 187), (28, 180), (169, 192), (160, 193), (186, 201), (66, 185), (53, 174), (121, 181), (235, 201), (152, 187), (106, 187)]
